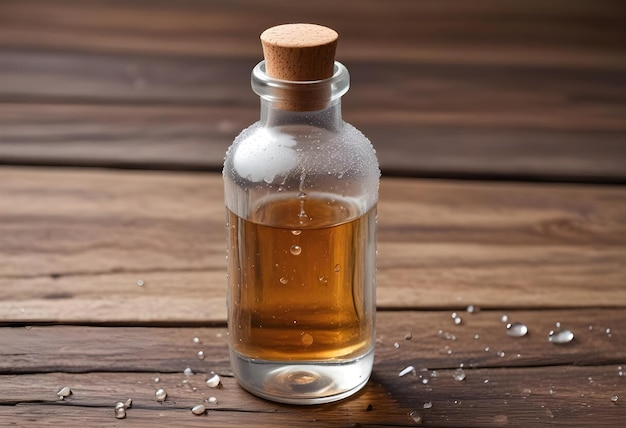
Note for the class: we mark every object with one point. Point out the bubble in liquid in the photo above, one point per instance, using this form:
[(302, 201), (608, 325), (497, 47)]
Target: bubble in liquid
[(307, 339), (295, 250)]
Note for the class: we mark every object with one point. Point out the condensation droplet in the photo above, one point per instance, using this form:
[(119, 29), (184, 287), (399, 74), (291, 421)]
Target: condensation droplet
[(563, 336), (296, 250), (198, 410), (296, 232), (307, 339), (323, 279), (459, 375), (405, 371), (283, 280), (213, 381), (201, 355), (516, 329), (337, 268), (160, 394)]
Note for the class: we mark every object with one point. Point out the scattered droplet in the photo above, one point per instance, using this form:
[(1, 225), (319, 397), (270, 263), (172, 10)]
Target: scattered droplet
[(458, 320), (487, 348), (337, 268), (157, 380), (213, 381), (408, 336), (64, 392), (608, 332), (446, 335), (198, 410), (396, 345), (614, 398), (201, 355), (459, 375), (472, 309), (425, 381), (296, 250), (405, 371), (415, 417), (296, 232), (504, 318), (120, 411), (283, 280), (188, 371), (500, 354), (140, 282), (557, 324), (476, 336), (128, 403), (323, 279), (486, 381), (551, 391), (434, 373), (516, 329), (454, 315), (428, 405), (196, 340), (307, 339), (563, 336), (161, 395), (212, 400)]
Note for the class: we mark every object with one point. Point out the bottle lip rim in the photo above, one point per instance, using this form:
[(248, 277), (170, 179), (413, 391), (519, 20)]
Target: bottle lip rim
[(275, 89)]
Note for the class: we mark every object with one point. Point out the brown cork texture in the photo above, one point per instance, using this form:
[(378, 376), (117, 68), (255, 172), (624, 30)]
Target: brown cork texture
[(300, 52)]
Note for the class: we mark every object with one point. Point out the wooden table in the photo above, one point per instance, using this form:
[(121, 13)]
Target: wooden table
[(501, 131)]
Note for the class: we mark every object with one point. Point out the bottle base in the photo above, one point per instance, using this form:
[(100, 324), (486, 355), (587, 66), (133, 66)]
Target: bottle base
[(302, 382)]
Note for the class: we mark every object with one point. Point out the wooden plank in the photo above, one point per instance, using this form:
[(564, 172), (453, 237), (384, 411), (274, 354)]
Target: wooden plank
[(512, 397), (435, 343), (73, 244), (105, 365)]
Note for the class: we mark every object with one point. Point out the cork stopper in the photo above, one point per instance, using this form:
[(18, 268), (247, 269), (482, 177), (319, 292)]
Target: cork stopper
[(299, 52)]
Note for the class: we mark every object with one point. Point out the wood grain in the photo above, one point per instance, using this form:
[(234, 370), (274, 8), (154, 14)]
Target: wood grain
[(535, 379), (443, 89), (74, 242)]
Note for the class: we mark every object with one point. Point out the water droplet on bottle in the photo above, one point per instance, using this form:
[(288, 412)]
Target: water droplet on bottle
[(337, 268), (213, 381), (516, 329), (563, 336), (188, 371), (296, 232), (405, 371), (198, 410), (307, 339), (160, 394), (459, 375), (64, 392), (201, 355), (283, 280), (428, 405), (295, 250), (614, 398)]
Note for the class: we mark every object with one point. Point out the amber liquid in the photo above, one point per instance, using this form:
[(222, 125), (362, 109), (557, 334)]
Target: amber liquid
[(301, 281)]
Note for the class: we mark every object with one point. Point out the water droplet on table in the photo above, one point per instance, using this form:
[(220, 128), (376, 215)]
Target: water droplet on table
[(160, 394), (408, 336), (64, 392), (516, 329), (405, 371), (201, 355), (459, 375), (120, 411), (212, 400), (213, 381), (140, 282), (198, 410), (188, 371), (196, 340), (128, 403), (415, 417), (563, 336), (472, 309), (504, 318), (500, 354), (428, 405), (614, 398)]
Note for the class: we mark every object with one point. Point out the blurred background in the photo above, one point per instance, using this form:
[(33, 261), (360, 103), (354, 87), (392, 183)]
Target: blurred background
[(485, 89)]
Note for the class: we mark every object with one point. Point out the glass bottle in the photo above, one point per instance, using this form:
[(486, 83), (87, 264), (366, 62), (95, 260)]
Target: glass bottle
[(301, 188)]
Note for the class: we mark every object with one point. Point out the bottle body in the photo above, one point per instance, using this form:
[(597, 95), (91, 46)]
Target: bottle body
[(301, 190)]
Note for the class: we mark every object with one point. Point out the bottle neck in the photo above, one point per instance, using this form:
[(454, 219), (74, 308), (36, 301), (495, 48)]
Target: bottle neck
[(316, 103)]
